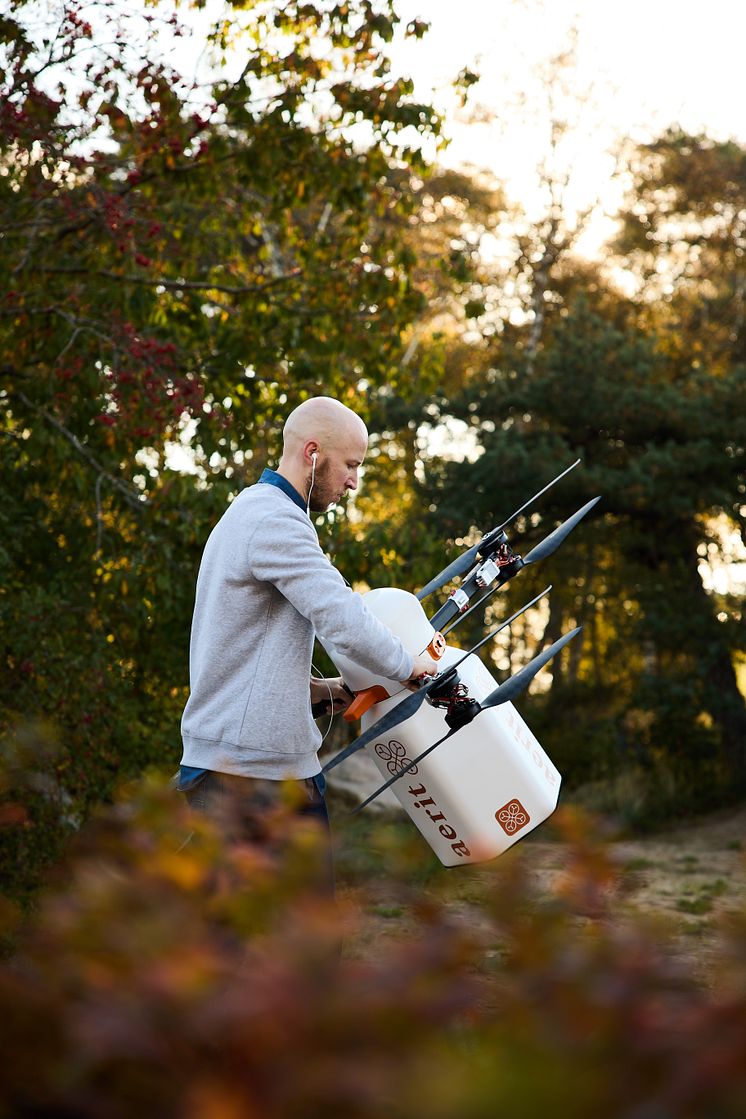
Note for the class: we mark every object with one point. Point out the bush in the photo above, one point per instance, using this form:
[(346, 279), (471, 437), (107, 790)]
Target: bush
[(165, 975)]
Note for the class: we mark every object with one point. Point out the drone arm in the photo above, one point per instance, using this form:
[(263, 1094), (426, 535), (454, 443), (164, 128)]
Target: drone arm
[(457, 603), (447, 611), (465, 614)]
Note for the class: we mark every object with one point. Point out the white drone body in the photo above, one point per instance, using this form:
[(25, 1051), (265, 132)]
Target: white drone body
[(487, 786)]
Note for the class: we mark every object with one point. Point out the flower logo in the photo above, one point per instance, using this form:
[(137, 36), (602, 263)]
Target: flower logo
[(512, 817), (394, 755)]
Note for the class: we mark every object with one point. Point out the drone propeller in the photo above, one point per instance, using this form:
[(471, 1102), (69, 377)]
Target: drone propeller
[(531, 500), (462, 563), (518, 683), (392, 718), (459, 566), (552, 542), (449, 611), (502, 694), (413, 702)]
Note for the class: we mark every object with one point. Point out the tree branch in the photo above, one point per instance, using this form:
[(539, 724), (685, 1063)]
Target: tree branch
[(177, 285), (131, 494)]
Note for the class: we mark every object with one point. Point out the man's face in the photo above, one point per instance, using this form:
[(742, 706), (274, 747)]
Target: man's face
[(337, 470)]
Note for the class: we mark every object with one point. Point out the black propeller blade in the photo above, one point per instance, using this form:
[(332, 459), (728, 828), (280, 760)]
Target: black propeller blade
[(459, 567), (531, 500), (518, 683), (392, 718), (414, 701), (507, 691), (552, 542), (387, 784)]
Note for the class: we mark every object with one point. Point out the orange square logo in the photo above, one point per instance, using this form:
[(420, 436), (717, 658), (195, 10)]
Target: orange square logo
[(512, 817)]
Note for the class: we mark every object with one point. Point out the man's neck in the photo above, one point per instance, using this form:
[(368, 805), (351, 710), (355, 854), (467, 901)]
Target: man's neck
[(296, 477)]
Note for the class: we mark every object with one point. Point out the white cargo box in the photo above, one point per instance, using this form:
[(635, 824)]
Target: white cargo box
[(483, 789)]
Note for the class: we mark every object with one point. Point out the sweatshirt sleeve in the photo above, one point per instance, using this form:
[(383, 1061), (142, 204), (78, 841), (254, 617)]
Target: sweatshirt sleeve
[(284, 550)]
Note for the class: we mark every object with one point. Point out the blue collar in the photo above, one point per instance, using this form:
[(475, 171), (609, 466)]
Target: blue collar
[(272, 478)]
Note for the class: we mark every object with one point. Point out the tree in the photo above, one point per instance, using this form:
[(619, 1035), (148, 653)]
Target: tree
[(656, 669), (389, 540), (649, 392), (684, 233), (180, 267)]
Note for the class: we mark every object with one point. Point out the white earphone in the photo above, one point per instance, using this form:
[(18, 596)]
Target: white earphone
[(313, 479)]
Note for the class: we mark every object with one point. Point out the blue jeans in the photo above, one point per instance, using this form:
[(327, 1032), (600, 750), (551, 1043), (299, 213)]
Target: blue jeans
[(240, 807)]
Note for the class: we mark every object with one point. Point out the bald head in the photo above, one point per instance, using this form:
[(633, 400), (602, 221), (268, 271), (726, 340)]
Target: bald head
[(336, 436), (322, 419)]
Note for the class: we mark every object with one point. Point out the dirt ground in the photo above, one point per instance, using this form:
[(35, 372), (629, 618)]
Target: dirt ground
[(687, 878)]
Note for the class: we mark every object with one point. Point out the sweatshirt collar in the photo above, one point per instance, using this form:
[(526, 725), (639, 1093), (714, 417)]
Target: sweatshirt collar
[(272, 478)]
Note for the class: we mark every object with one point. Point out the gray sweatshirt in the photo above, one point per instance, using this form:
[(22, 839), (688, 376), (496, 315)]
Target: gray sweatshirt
[(264, 590)]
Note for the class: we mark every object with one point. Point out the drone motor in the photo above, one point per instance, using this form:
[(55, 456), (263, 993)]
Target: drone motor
[(454, 697)]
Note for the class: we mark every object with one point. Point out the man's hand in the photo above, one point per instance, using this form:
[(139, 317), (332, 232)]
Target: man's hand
[(424, 665), (329, 691)]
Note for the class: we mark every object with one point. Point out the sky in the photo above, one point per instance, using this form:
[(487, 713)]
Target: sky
[(641, 67), (660, 60)]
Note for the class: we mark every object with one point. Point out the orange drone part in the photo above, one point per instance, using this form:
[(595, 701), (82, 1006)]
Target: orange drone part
[(363, 701)]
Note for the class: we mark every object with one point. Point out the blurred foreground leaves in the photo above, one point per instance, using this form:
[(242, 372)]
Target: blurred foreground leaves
[(165, 975)]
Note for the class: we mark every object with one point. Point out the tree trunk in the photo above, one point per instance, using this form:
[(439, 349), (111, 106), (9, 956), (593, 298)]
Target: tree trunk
[(552, 632)]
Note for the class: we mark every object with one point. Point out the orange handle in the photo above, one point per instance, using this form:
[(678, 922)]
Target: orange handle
[(364, 700)]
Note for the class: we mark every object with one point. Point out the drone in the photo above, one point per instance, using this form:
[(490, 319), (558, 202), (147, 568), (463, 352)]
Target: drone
[(457, 755)]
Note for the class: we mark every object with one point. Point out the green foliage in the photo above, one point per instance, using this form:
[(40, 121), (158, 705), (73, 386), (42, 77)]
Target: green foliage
[(180, 267), (683, 231), (164, 974)]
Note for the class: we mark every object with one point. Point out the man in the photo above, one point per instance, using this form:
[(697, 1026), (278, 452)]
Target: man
[(264, 590)]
